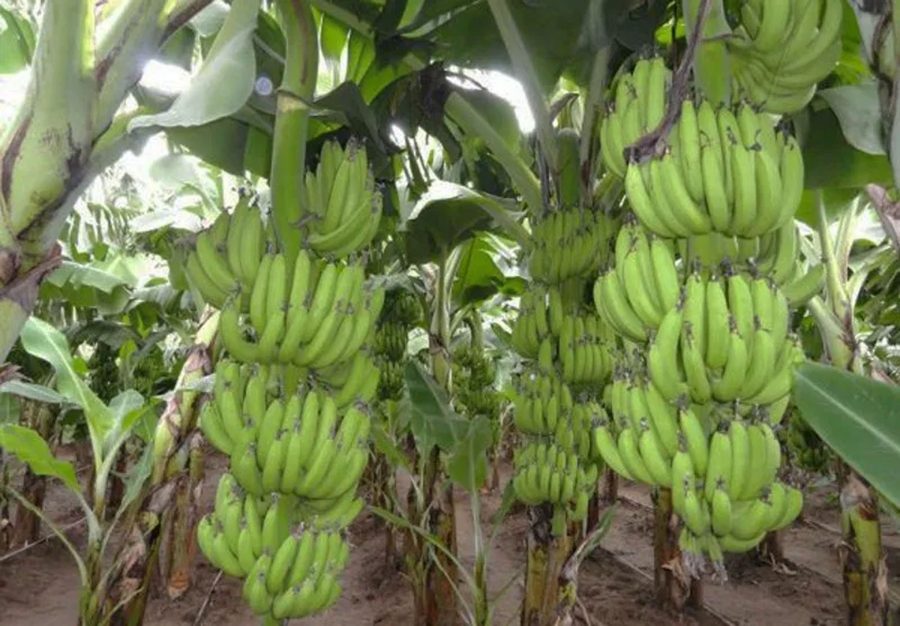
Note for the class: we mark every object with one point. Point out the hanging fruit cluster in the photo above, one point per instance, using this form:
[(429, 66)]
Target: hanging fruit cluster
[(473, 381), (725, 171), (577, 339), (781, 50), (805, 448), (291, 405), (580, 233), (568, 352), (401, 313), (701, 285)]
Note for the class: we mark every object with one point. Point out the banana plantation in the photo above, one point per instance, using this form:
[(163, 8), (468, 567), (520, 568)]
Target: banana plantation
[(449, 312)]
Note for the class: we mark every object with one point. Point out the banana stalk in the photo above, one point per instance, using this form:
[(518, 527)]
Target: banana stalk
[(610, 492), (712, 65), (292, 122)]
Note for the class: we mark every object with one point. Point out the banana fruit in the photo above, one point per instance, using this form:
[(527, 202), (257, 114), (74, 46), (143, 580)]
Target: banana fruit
[(321, 318), (568, 243), (291, 402), (473, 378), (546, 472), (782, 50), (636, 107), (224, 261), (401, 312), (344, 206), (725, 171)]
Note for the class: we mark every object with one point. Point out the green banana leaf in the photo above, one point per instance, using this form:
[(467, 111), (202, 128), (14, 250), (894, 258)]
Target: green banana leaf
[(858, 417)]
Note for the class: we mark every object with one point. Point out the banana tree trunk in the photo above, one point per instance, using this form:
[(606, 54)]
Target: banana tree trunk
[(5, 525), (440, 571), (180, 524), (610, 491), (547, 556), (863, 560), (865, 571), (63, 134), (862, 555), (163, 522), (439, 604), (382, 487), (675, 588), (27, 525)]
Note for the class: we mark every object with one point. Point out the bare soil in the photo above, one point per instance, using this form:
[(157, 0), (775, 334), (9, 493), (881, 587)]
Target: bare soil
[(40, 585)]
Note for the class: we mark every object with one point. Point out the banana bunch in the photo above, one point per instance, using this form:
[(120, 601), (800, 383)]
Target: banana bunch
[(552, 326), (726, 171), (290, 568), (805, 447), (353, 381), (401, 312), (542, 403), (390, 340), (239, 401), (705, 253), (225, 259), (342, 204), (779, 258), (404, 308), (727, 341), (244, 393), (775, 255), (549, 473), (782, 50), (637, 405), (637, 108), (729, 498), (583, 351), (724, 486), (585, 415), (300, 577), (474, 377), (634, 296), (393, 379), (231, 536), (568, 243), (315, 316), (303, 445), (532, 323), (637, 445), (544, 406)]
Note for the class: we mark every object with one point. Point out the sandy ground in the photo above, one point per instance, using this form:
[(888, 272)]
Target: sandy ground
[(39, 586)]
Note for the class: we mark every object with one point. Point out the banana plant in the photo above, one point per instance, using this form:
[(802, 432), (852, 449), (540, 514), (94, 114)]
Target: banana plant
[(460, 445), (837, 322), (109, 426), (68, 129)]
